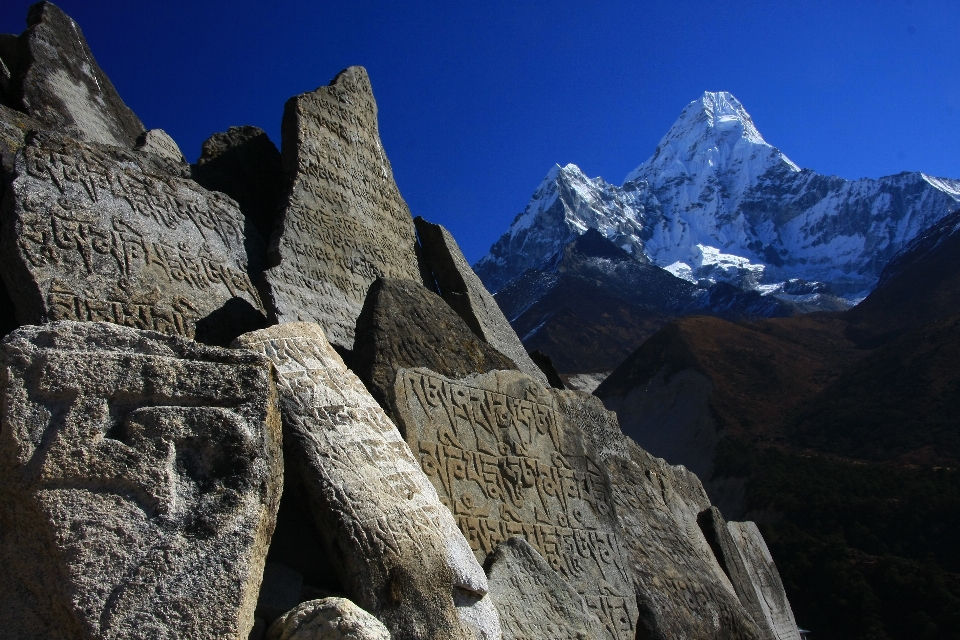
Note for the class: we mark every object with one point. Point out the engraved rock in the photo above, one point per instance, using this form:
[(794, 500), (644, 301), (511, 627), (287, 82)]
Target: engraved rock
[(139, 480), (13, 131), (401, 556), (243, 163), (157, 141), (61, 85), (508, 460), (328, 619), (95, 232), (463, 291), (403, 326), (532, 600), (345, 222)]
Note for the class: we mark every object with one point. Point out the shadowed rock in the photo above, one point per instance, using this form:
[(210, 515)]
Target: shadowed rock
[(543, 361), (328, 619)]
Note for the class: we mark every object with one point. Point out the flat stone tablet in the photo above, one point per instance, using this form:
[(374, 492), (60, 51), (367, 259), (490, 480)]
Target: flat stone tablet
[(345, 222), (401, 555), (140, 476), (95, 232)]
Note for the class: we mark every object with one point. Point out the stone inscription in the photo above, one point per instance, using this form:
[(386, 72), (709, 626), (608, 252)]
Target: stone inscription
[(506, 463), (345, 223), (105, 235)]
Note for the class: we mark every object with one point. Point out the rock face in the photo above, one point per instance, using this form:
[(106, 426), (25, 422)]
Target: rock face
[(532, 600), (345, 222), (328, 619), (60, 84), (401, 555), (403, 326), (140, 480), (158, 142), (464, 292), (508, 461), (94, 232)]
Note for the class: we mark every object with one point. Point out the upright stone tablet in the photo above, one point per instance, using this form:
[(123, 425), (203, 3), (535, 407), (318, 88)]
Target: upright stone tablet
[(401, 555), (508, 461), (95, 232), (140, 476), (345, 223)]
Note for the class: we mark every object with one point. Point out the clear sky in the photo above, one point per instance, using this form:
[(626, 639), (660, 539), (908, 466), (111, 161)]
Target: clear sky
[(478, 100)]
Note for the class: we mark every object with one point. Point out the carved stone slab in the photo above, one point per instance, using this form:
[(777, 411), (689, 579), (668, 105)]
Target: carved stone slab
[(402, 557), (532, 600), (94, 232), (345, 222), (775, 610), (508, 461), (463, 291), (140, 476)]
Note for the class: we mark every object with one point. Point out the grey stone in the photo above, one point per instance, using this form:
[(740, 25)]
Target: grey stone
[(95, 232), (328, 619), (403, 326), (508, 460), (279, 591), (463, 291), (4, 84), (60, 84), (345, 223), (139, 480), (533, 600), (158, 142), (545, 364), (13, 131), (401, 556), (774, 608)]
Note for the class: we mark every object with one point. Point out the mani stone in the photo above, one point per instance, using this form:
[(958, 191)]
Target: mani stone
[(158, 142), (401, 556), (345, 223), (139, 481), (508, 461), (243, 163), (532, 600), (681, 590), (775, 612), (463, 291), (95, 232), (61, 85), (328, 619), (403, 326)]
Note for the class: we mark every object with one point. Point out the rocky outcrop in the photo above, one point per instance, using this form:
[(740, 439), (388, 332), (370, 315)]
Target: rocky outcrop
[(140, 480), (328, 619), (464, 292), (533, 600), (60, 84), (158, 142), (400, 554), (345, 223), (403, 326)]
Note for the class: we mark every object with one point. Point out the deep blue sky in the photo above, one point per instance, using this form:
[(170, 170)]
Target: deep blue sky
[(479, 99)]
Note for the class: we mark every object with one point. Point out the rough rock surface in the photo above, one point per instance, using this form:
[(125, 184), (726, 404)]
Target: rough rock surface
[(243, 163), (507, 460), (139, 480), (533, 600), (60, 84), (463, 291), (765, 579), (401, 555), (95, 232), (543, 361), (328, 619), (345, 222), (403, 326), (157, 141)]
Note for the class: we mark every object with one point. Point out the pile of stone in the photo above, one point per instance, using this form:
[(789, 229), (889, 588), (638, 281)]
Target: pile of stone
[(254, 398)]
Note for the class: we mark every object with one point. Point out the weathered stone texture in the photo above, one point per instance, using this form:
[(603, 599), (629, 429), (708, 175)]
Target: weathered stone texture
[(775, 610), (463, 291), (94, 232), (159, 142), (533, 601), (328, 619), (139, 481), (401, 556), (404, 326), (60, 84), (345, 222), (508, 461)]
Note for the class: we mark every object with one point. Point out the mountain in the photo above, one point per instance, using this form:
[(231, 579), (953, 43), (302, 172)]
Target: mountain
[(716, 202)]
